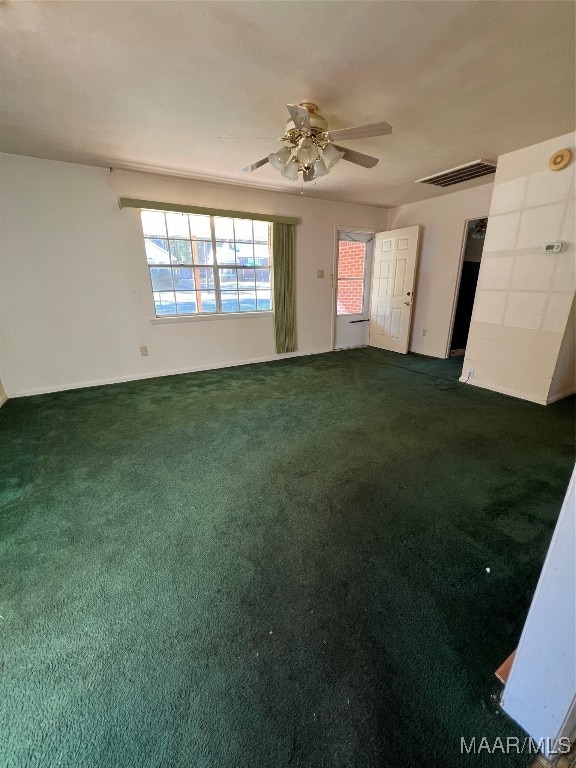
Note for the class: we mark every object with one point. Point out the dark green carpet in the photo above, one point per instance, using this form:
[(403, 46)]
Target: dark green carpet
[(274, 565)]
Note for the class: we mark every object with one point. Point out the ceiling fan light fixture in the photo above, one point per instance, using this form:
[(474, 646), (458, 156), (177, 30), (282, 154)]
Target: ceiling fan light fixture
[(320, 168), (308, 147), (331, 155), (279, 159), (290, 171), (307, 152)]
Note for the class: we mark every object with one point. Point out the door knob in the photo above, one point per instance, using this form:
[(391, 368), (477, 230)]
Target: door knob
[(408, 303)]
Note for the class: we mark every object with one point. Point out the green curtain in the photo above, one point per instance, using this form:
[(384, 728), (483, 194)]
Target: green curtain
[(283, 260)]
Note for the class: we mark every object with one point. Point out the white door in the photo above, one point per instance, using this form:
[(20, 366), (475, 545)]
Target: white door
[(353, 289), (392, 295)]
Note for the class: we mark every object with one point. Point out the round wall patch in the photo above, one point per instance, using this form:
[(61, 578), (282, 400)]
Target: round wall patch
[(560, 159)]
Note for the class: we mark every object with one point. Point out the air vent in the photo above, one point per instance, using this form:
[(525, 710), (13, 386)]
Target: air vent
[(461, 173)]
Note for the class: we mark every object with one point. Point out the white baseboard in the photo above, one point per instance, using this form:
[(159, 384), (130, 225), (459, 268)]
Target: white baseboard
[(561, 396), (503, 391), (3, 398), (160, 374)]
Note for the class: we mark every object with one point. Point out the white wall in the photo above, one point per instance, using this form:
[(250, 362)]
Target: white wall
[(524, 297), (443, 221), (541, 690), (563, 383), (75, 297)]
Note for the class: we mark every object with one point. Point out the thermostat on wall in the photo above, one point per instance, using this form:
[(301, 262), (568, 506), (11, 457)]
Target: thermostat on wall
[(555, 247)]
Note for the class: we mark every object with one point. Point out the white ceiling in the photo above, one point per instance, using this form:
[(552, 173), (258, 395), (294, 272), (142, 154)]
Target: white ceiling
[(153, 84)]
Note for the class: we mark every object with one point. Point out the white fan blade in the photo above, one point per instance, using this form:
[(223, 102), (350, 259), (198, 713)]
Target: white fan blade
[(255, 165), (362, 131), (358, 158), (300, 116)]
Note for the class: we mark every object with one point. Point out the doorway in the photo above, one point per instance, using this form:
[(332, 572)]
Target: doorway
[(352, 288), (473, 246)]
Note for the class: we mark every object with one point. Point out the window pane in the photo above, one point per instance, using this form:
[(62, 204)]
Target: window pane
[(224, 228), (261, 254), (263, 300), (206, 301), (153, 223), (186, 302), (351, 259), (261, 231), (228, 280), (180, 251), (262, 279), (165, 303), (244, 253), (178, 225), (200, 226), (202, 252), (204, 278), (183, 278), (243, 230), (247, 279), (157, 251), (225, 253), (161, 278), (349, 298), (230, 301), (247, 301)]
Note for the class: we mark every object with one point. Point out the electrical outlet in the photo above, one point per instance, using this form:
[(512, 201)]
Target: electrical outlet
[(144, 351), (424, 331)]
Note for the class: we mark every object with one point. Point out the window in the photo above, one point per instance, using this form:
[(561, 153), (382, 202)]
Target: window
[(207, 264), (351, 265)]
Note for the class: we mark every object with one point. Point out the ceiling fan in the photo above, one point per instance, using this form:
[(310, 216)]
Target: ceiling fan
[(309, 147)]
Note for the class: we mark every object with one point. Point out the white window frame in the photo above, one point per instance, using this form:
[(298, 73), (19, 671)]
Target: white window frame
[(216, 271)]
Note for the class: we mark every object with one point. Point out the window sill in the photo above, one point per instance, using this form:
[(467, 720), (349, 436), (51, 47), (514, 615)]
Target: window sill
[(199, 318)]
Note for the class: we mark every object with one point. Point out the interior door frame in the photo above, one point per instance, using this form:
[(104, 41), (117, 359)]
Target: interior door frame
[(458, 277), (334, 276)]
